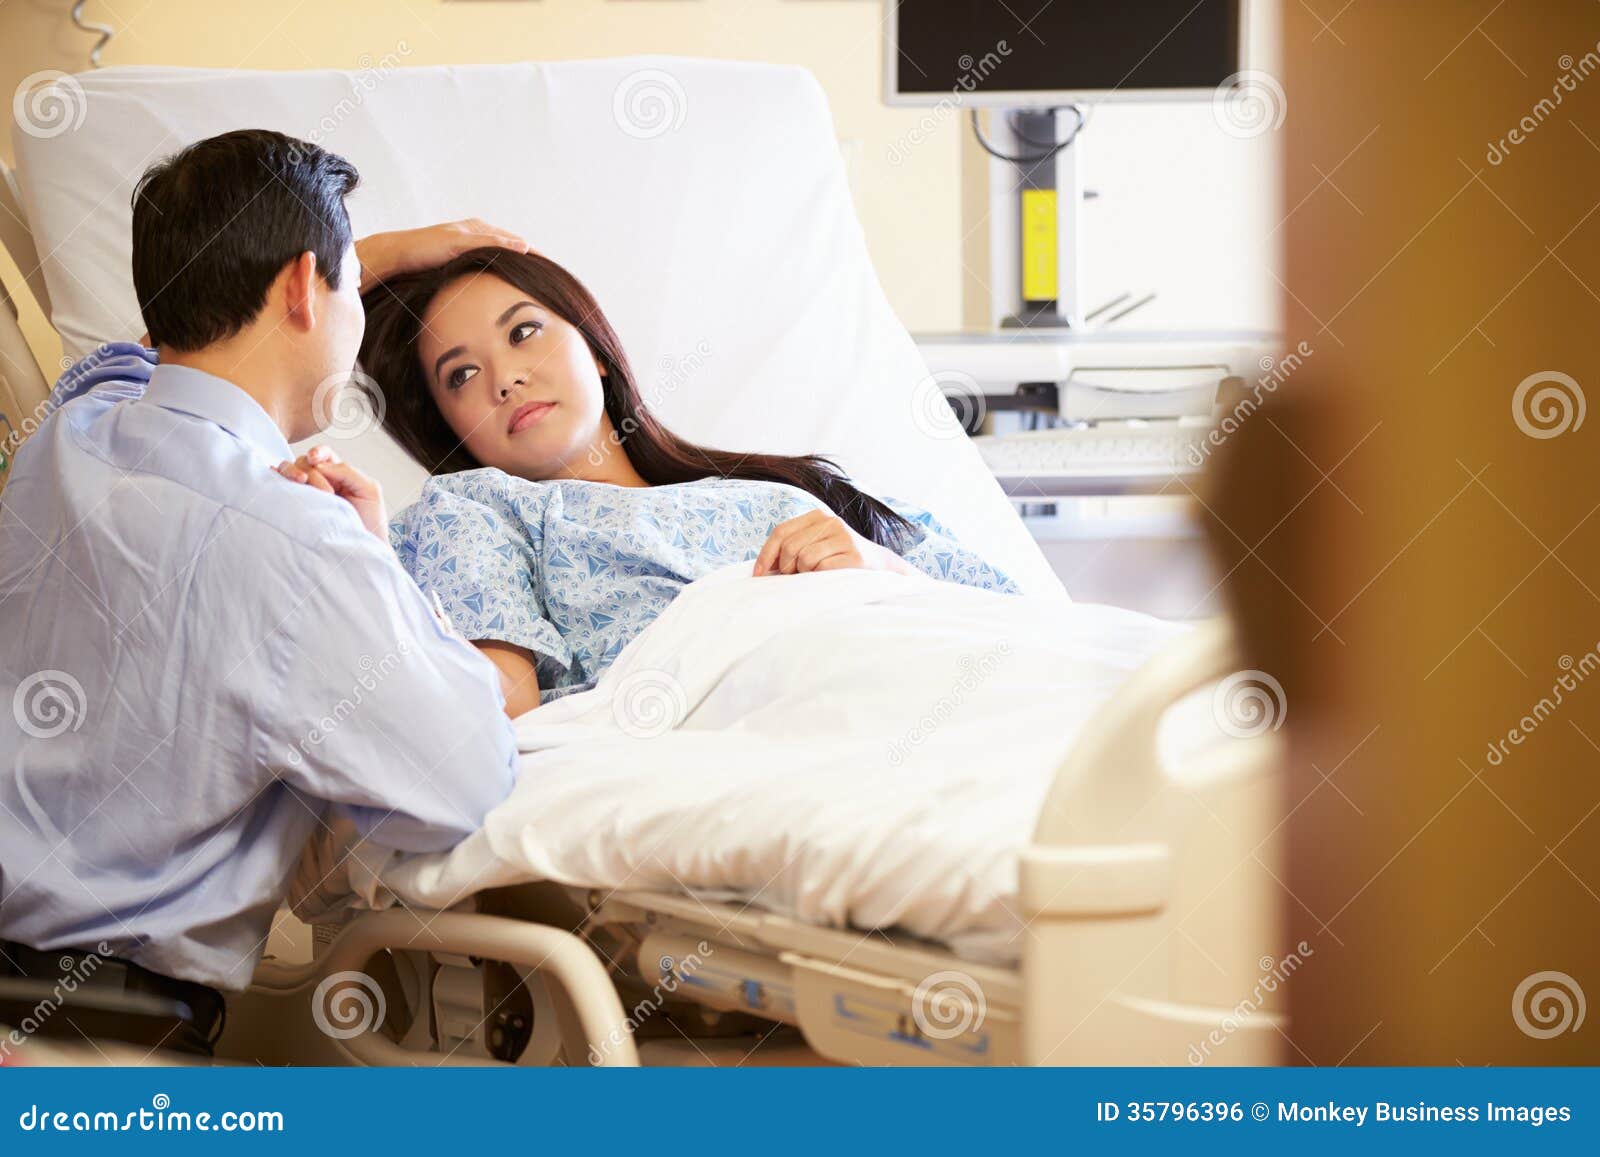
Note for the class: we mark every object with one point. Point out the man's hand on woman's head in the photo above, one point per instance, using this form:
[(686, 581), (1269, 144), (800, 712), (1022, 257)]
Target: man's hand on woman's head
[(820, 540), (406, 250), (321, 469)]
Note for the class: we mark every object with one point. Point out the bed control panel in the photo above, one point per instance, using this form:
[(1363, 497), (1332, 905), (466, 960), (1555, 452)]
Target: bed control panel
[(947, 1018), (720, 976), (895, 1024)]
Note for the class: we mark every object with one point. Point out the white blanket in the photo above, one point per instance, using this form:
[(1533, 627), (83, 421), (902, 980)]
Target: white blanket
[(848, 748)]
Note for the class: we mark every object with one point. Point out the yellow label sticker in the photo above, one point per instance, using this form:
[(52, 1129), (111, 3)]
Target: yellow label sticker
[(1038, 244)]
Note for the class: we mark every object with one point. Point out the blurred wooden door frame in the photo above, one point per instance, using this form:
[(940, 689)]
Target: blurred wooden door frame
[(1410, 525)]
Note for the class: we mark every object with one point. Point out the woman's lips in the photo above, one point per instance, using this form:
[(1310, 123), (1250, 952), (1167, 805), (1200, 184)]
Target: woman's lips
[(527, 414)]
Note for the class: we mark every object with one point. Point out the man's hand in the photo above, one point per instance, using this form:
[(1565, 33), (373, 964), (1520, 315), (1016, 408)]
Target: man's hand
[(406, 250), (320, 887), (820, 540), (322, 469)]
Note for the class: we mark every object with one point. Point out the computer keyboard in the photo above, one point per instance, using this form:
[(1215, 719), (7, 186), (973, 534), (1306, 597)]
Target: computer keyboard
[(1110, 458)]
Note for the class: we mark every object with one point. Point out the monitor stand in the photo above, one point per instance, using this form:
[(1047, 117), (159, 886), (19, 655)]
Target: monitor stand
[(1049, 214)]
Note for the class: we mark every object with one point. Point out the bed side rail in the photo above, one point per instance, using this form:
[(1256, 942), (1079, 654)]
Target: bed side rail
[(23, 388), (1153, 894), (297, 1006), (17, 238)]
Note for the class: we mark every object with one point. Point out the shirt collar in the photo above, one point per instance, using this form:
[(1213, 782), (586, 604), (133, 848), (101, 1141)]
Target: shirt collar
[(195, 392)]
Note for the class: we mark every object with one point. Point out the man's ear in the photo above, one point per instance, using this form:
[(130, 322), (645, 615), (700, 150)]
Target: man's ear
[(299, 285)]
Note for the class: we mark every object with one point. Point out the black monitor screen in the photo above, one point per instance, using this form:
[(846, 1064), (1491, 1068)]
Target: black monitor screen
[(1064, 45)]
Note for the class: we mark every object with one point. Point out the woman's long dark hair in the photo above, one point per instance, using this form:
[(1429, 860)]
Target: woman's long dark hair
[(389, 355)]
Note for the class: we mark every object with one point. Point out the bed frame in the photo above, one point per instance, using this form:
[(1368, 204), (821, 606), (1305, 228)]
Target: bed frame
[(1152, 905)]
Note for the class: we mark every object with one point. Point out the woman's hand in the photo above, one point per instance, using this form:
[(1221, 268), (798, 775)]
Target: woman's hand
[(405, 250), (321, 469), (821, 540)]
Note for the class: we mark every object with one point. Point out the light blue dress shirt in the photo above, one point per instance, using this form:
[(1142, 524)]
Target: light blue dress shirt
[(198, 658)]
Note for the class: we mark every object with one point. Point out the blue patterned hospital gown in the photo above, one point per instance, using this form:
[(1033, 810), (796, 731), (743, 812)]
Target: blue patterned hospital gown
[(575, 570)]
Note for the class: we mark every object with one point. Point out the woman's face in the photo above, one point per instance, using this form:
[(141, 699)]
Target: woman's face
[(518, 385)]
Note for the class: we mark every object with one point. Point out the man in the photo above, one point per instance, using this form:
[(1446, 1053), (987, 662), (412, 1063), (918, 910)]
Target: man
[(204, 659)]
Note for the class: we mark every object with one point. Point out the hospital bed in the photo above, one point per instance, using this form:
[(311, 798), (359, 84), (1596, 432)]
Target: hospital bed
[(706, 205)]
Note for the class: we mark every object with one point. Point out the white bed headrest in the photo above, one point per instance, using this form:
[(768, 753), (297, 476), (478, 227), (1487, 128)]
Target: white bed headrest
[(704, 203)]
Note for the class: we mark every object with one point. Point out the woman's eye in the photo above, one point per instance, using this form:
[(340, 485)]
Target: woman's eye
[(524, 330), (460, 376)]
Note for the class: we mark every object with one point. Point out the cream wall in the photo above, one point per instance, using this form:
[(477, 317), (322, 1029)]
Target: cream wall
[(910, 209)]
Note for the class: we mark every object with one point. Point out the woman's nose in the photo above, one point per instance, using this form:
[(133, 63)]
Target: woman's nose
[(515, 383)]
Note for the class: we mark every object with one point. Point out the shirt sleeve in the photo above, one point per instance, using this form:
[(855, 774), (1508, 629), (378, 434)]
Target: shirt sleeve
[(478, 555), (933, 549), (120, 366), (380, 710)]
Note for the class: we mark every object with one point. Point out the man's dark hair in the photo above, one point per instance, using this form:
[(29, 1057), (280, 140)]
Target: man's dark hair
[(215, 224)]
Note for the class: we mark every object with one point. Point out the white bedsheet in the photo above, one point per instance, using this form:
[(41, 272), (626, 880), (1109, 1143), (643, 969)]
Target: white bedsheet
[(849, 748)]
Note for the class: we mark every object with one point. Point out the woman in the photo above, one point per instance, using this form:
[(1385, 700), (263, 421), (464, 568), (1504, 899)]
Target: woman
[(562, 517)]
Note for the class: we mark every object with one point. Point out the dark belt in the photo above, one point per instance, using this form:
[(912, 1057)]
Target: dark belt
[(194, 1011)]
